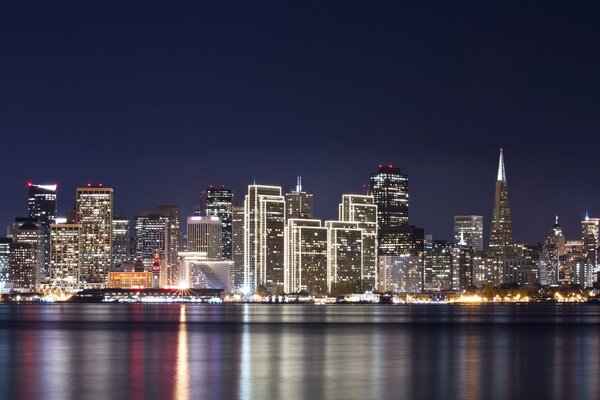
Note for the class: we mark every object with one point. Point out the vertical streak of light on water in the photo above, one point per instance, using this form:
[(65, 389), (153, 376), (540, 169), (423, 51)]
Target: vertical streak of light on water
[(182, 375), (245, 360)]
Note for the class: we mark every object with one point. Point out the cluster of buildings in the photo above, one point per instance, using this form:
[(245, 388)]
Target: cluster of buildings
[(272, 244)]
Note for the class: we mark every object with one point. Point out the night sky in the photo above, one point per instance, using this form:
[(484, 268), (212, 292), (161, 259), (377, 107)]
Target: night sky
[(162, 99)]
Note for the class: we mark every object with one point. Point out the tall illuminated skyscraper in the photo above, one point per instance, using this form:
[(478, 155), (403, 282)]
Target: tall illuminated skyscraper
[(237, 248), (264, 212), (26, 253), (361, 209), (468, 231), (344, 257), (157, 230), (218, 202), (121, 250), (95, 216), (501, 236), (65, 255), (389, 188), (204, 235), (305, 256), (4, 260), (298, 204), (590, 235), (42, 206), (553, 251)]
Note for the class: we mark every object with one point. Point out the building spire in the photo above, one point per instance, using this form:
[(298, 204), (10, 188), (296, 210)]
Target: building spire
[(556, 221), (298, 184), (587, 216), (501, 172)]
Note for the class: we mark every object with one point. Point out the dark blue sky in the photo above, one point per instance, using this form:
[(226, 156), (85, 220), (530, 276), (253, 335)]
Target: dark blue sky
[(161, 99)]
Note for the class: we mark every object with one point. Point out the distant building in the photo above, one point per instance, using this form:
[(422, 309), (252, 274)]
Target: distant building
[(306, 256), (361, 209), (345, 257), (26, 253), (42, 206), (121, 243), (204, 235), (237, 249), (591, 242), (437, 275), (188, 261), (299, 204), (264, 238), (95, 217), (130, 277), (65, 256), (552, 254), (218, 202), (501, 236), (157, 229), (400, 274), (468, 231), (4, 261), (389, 188)]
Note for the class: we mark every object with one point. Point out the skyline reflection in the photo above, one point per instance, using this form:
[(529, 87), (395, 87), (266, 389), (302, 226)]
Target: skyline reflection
[(258, 351)]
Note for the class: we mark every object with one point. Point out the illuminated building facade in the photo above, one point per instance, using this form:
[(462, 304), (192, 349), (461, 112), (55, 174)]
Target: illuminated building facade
[(129, 280), (95, 217), (65, 256), (204, 234), (468, 231), (218, 202), (501, 236), (552, 255), (4, 261), (299, 204), (400, 274), (121, 245), (26, 253), (389, 188), (574, 261), (305, 256), (345, 257), (157, 229), (362, 210), (264, 238), (437, 272), (188, 260), (42, 206), (590, 237), (237, 248)]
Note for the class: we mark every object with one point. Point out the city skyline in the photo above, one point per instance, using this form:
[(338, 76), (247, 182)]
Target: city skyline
[(445, 225), (434, 90)]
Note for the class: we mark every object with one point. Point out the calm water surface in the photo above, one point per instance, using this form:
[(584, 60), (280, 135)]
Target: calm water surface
[(136, 351)]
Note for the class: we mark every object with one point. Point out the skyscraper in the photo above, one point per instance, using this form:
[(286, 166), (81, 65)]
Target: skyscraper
[(590, 235), (157, 229), (4, 261), (42, 206), (389, 188), (95, 216), (501, 236), (553, 251), (26, 253), (65, 255), (218, 202), (468, 231), (204, 235), (361, 209), (437, 275), (305, 256), (121, 250), (298, 204), (344, 257), (264, 211), (237, 249)]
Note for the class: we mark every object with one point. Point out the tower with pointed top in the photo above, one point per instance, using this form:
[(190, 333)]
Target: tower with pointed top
[(501, 235)]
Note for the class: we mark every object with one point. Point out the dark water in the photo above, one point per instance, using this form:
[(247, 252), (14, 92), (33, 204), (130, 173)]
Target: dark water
[(140, 351)]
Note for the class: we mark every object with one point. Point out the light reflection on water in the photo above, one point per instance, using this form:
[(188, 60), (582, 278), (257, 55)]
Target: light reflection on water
[(246, 351)]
